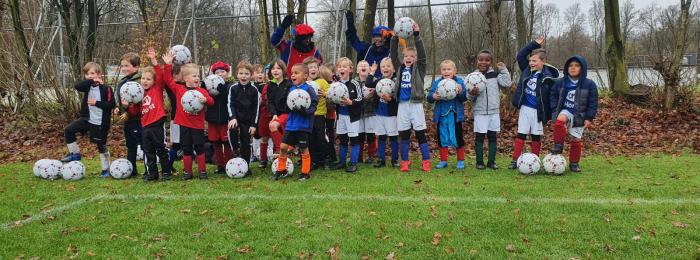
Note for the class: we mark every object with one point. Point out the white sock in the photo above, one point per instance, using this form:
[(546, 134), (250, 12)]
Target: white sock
[(104, 160), (73, 147)]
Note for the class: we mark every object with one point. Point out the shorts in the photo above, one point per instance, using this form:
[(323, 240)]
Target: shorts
[(411, 116), (174, 132), (345, 126), (576, 132), (528, 123), (218, 132), (385, 125), (367, 125), (486, 123), (296, 139)]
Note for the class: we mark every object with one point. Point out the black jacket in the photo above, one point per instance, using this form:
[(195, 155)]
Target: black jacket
[(277, 97), (106, 103), (355, 94), (244, 103), (393, 104), (218, 113)]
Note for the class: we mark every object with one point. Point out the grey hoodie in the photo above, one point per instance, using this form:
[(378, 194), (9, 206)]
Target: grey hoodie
[(487, 102), (417, 72)]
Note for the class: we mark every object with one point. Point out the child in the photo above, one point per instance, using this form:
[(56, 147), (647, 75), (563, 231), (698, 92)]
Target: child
[(264, 120), (486, 107), (365, 78), (95, 116), (410, 93), (319, 144), (349, 113), (299, 126), (217, 119), (326, 72), (259, 80), (243, 110), (175, 147), (130, 113), (191, 125), (277, 90), (532, 96), (574, 104), (385, 121), (448, 115), (153, 120)]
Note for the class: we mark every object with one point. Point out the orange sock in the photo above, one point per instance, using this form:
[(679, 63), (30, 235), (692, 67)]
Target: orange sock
[(282, 163), (305, 162)]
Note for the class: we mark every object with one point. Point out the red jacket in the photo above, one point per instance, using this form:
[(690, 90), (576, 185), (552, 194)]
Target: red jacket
[(181, 117), (153, 106), (263, 103)]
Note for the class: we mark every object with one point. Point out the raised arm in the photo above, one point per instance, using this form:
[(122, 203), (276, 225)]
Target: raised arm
[(277, 38)]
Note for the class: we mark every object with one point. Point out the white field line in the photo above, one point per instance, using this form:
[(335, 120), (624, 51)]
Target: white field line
[(359, 198)]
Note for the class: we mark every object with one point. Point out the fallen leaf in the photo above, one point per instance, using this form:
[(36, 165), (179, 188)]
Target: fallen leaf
[(679, 224), (433, 211), (333, 251), (90, 253), (636, 238), (674, 212), (73, 249), (436, 238), (449, 250), (390, 256), (244, 250), (400, 244), (185, 211), (510, 248), (204, 212)]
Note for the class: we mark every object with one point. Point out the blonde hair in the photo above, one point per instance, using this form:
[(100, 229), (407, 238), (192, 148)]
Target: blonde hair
[(410, 49), (325, 73), (148, 70), (244, 64), (541, 53), (189, 68), (362, 62), (92, 66), (386, 61), (311, 60), (133, 58), (343, 60), (448, 62)]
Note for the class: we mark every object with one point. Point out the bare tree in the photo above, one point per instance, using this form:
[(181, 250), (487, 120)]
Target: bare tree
[(617, 69), (520, 22), (368, 17)]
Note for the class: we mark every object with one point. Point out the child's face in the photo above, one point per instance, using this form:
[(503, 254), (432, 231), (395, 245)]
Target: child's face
[(378, 41), (221, 73), (536, 63), (483, 62), (313, 70), (258, 76), (93, 74), (409, 58), (147, 80), (298, 76), (363, 69), (447, 71), (191, 79), (345, 70), (387, 69), (243, 75), (277, 72), (574, 69), (127, 69)]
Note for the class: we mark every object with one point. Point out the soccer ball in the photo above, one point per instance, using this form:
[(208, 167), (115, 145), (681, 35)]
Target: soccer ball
[(132, 92), (385, 86), (367, 92), (212, 82), (554, 164), (337, 92), (404, 27), (139, 153), (447, 89), (298, 99), (47, 169), (73, 171), (120, 168), (190, 102), (181, 54), (475, 79), (528, 164), (236, 168), (290, 167), (314, 85)]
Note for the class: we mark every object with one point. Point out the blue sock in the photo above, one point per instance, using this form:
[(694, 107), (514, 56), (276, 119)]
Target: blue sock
[(425, 151), (381, 150), (343, 153), (404, 149), (395, 150), (355, 154), (172, 155)]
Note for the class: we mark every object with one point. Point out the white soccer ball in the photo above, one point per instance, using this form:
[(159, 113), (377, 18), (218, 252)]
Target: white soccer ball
[(554, 164), (447, 89), (139, 153), (132, 92), (298, 99), (337, 92), (73, 171), (367, 92), (404, 27), (385, 86), (120, 168), (314, 85), (212, 82), (191, 102), (236, 168), (47, 169), (181, 54), (475, 79), (528, 164), (290, 167)]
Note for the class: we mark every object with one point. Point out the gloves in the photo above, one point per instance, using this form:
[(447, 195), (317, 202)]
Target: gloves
[(349, 17), (288, 20)]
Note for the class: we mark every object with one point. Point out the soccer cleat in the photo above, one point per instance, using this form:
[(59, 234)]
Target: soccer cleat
[(426, 165), (105, 174), (405, 166), (492, 165), (248, 173), (480, 166), (134, 175), (460, 165), (574, 167), (369, 160), (150, 177), (380, 164), (167, 176), (395, 163), (187, 176), (352, 168), (263, 164), (339, 166), (557, 149), (71, 157), (303, 177), (221, 170), (513, 165), (203, 176), (441, 164)]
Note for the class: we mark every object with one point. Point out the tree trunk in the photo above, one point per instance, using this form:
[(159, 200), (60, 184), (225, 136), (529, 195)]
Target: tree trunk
[(494, 24), (672, 76), (617, 67), (368, 19), (20, 38), (264, 31), (521, 25), (432, 40), (532, 20), (301, 13), (390, 13), (349, 52), (91, 32), (275, 13)]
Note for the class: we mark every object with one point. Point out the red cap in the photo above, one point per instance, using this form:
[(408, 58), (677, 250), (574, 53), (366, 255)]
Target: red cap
[(220, 65), (303, 29)]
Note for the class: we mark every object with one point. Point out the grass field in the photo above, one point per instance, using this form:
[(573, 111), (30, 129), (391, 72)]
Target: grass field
[(632, 208)]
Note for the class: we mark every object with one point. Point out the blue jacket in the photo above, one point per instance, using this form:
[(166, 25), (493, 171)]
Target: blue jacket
[(544, 82), (368, 51), (302, 120), (285, 48), (586, 99), (445, 106)]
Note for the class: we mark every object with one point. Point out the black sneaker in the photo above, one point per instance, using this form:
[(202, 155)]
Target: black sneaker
[(203, 176), (513, 165), (557, 149), (395, 163), (276, 176), (134, 175), (263, 164), (480, 165), (352, 168), (492, 165), (150, 177), (339, 166), (303, 177), (380, 164), (574, 167), (221, 170), (369, 160), (167, 176), (248, 174), (187, 176)]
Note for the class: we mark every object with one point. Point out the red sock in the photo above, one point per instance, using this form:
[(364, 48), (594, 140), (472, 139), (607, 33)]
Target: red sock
[(282, 163), (460, 153), (219, 154), (518, 148), (187, 161), (201, 163), (228, 153), (305, 163), (536, 147), (263, 151), (559, 132), (276, 140), (362, 150), (443, 154), (575, 151), (372, 148)]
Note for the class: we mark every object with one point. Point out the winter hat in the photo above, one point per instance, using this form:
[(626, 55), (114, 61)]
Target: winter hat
[(220, 65), (302, 30), (379, 31)]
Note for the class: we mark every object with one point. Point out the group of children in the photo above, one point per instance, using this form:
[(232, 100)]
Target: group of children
[(255, 108)]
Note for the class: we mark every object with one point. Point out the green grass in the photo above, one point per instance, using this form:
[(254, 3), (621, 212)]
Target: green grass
[(596, 214)]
